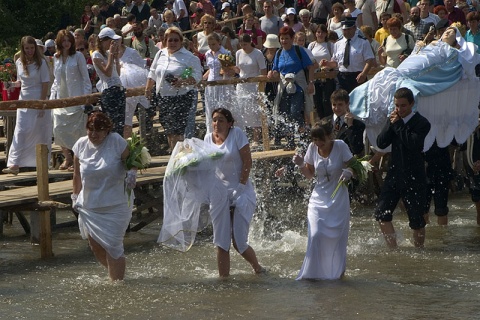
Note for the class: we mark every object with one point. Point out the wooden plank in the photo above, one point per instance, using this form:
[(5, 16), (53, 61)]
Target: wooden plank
[(61, 189)]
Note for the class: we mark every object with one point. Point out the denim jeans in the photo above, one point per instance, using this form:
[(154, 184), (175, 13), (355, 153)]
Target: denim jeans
[(291, 110)]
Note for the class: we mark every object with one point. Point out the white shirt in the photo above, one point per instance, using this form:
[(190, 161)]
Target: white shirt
[(155, 23), (174, 64), (321, 51), (102, 171), (178, 5), (405, 120), (431, 18), (360, 52), (107, 82)]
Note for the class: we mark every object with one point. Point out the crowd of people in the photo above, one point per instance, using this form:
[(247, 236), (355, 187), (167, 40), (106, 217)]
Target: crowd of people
[(170, 46)]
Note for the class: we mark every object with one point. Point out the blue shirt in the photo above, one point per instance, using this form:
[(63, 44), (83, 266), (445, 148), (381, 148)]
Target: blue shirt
[(473, 38), (288, 61)]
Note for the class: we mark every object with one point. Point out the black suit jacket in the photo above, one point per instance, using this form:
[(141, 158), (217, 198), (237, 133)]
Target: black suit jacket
[(352, 136), (407, 140)]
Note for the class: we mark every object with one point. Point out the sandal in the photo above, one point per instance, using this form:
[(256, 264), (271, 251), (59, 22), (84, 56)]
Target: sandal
[(11, 170), (70, 169), (64, 166)]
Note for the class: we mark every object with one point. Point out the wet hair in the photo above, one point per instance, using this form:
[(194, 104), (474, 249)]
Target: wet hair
[(286, 31), (37, 56), (394, 23), (404, 93), (340, 95), (226, 113), (59, 40), (321, 130), (99, 121)]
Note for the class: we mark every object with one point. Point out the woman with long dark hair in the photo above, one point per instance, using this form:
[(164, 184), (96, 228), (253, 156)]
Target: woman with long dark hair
[(71, 79)]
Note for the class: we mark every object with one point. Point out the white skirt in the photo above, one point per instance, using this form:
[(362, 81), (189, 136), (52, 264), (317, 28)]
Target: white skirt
[(106, 226)]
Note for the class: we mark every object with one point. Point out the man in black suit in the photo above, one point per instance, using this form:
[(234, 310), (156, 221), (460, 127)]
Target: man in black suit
[(405, 131), (345, 127)]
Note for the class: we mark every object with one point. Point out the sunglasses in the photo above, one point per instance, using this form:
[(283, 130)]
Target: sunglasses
[(173, 40), (81, 49)]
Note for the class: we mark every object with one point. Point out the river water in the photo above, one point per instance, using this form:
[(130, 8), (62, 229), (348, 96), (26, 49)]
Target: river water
[(440, 282)]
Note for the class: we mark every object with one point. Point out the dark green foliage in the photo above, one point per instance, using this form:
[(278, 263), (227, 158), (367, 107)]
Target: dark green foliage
[(35, 17)]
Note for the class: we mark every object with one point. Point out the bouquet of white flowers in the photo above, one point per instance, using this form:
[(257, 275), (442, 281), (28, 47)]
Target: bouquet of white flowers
[(192, 154), (360, 168)]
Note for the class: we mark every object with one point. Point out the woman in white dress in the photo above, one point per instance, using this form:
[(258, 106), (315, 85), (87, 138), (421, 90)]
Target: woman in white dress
[(71, 79), (32, 126), (99, 194), (132, 74), (235, 168), (328, 219), (216, 96), (250, 63)]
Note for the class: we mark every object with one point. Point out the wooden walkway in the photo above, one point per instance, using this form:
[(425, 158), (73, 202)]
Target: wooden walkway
[(15, 197)]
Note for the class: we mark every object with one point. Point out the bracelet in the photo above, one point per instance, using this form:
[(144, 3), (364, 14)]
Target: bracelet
[(74, 196), (302, 165)]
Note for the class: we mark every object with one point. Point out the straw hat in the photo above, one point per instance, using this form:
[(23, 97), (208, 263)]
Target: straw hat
[(272, 41)]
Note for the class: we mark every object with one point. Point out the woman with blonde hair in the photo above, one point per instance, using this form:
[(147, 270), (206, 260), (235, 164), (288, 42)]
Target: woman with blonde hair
[(175, 71), (200, 39), (32, 126), (71, 79)]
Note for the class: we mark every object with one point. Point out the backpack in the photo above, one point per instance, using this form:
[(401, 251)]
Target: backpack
[(407, 51), (299, 55)]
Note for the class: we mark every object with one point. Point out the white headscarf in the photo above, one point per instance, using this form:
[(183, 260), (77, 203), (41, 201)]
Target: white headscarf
[(467, 54)]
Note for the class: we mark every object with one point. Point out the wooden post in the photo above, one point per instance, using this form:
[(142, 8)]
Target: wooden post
[(43, 195), (261, 102), (142, 122)]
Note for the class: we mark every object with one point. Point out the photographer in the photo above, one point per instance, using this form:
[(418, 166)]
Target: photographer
[(175, 71)]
